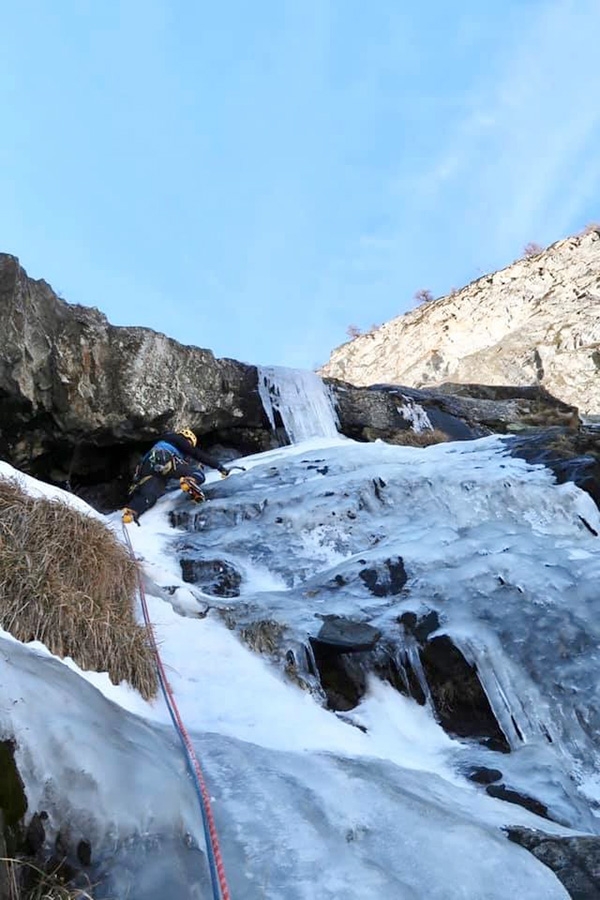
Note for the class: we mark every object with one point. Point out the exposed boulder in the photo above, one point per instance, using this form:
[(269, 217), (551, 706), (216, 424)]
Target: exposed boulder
[(345, 636), (213, 576), (574, 860), (501, 792), (484, 775), (462, 412)]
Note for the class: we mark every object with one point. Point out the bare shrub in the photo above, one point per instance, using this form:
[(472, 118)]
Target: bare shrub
[(532, 249), (423, 296), (353, 331), (592, 228), (65, 580)]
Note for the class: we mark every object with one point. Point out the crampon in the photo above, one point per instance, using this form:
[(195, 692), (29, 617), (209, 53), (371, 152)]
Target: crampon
[(191, 488)]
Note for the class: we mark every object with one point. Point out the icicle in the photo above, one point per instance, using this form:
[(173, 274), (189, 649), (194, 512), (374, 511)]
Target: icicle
[(515, 701), (414, 413), (301, 399), (409, 665)]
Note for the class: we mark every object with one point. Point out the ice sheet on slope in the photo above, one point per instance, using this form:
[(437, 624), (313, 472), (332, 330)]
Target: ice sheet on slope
[(288, 822), (488, 540)]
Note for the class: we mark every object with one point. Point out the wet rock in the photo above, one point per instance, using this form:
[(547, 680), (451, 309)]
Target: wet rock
[(483, 775), (501, 792), (571, 455), (342, 677), (421, 627), (5, 889), (84, 853), (344, 636), (213, 576), (35, 835), (384, 411), (461, 411), (574, 860), (385, 579), (12, 790), (401, 675), (460, 702)]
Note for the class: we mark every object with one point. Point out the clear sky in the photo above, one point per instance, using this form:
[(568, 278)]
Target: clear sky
[(253, 176)]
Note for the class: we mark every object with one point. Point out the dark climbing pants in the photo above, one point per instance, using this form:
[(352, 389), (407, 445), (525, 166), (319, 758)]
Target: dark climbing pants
[(149, 488)]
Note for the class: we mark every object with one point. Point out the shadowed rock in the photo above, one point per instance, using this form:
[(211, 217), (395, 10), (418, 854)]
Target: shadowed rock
[(574, 860), (213, 576)]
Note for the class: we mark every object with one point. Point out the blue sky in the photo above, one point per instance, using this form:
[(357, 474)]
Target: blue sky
[(253, 177)]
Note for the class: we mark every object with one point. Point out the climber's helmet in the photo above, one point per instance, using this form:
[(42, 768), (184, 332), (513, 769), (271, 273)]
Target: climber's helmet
[(189, 435)]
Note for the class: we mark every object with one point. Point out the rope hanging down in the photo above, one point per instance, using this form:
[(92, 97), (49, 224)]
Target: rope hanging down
[(217, 869)]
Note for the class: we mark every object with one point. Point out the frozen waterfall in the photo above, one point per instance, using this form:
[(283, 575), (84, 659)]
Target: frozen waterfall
[(302, 401)]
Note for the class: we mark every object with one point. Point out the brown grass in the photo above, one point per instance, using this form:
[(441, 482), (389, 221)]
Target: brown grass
[(42, 883), (65, 580), (411, 438)]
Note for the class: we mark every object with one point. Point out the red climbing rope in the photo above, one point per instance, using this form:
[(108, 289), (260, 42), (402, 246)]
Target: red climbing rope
[(217, 869)]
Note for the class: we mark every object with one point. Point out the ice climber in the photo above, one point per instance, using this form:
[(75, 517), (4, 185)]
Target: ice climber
[(175, 455)]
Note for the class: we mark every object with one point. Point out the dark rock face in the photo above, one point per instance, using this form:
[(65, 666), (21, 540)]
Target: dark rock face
[(463, 412), (77, 393), (574, 860), (55, 863), (213, 576), (572, 455), (13, 803), (483, 775), (388, 582), (501, 792), (459, 699), (341, 654), (345, 636), (342, 677)]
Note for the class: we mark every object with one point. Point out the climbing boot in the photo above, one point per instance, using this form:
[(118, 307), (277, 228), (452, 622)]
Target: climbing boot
[(190, 486), (129, 516)]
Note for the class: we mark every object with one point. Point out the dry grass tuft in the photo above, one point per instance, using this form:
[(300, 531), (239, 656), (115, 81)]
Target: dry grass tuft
[(411, 438), (66, 581), (420, 438), (49, 883)]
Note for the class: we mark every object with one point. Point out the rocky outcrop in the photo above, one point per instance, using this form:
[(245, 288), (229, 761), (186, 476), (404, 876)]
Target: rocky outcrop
[(81, 398), (571, 455), (536, 322), (575, 860), (461, 412), (71, 383)]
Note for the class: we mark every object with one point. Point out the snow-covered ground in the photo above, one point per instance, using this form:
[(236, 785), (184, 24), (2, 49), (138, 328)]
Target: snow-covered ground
[(309, 805)]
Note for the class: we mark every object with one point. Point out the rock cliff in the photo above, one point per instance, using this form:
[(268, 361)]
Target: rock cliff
[(80, 398), (537, 322), (70, 381)]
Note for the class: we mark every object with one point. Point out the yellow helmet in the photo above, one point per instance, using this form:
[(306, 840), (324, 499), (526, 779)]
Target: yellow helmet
[(189, 435)]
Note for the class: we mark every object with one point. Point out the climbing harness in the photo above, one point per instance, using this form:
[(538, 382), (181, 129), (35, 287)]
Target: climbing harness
[(213, 850)]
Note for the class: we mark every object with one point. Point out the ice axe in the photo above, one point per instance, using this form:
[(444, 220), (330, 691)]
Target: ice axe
[(230, 469)]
